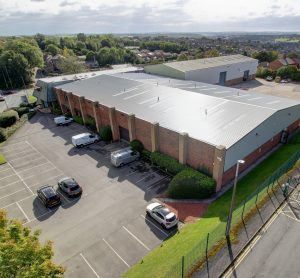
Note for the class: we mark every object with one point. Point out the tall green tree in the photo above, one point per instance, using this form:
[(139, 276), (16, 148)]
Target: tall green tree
[(28, 49), (22, 255), (14, 70), (53, 49), (265, 56)]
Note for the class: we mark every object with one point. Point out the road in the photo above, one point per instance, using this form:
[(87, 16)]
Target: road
[(276, 252), (13, 100)]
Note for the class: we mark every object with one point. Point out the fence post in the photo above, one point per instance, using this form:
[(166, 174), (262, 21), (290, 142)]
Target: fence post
[(182, 267), (206, 254), (243, 210)]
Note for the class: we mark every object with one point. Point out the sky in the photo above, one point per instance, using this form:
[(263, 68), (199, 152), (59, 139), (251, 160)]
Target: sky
[(26, 17)]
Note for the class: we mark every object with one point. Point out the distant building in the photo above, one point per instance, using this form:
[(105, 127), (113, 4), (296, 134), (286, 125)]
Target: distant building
[(277, 64), (223, 70)]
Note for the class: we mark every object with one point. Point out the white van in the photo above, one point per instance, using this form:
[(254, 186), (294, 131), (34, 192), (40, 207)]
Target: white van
[(62, 120), (123, 156), (83, 139)]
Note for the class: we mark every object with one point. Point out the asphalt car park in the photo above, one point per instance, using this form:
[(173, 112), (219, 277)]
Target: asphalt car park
[(104, 231)]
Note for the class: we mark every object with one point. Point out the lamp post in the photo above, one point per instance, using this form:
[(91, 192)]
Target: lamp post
[(233, 197)]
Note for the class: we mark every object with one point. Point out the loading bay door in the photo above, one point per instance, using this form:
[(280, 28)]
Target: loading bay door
[(222, 77), (124, 133)]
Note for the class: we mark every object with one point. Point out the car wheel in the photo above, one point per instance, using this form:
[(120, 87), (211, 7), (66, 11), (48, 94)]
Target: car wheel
[(148, 213), (122, 164), (81, 146)]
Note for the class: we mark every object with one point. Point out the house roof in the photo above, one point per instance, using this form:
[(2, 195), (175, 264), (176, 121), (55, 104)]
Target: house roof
[(205, 63), (210, 113)]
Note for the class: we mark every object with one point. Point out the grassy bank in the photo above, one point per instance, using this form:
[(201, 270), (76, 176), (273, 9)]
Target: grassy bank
[(160, 261)]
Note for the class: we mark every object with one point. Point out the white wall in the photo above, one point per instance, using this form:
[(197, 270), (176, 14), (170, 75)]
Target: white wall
[(211, 75)]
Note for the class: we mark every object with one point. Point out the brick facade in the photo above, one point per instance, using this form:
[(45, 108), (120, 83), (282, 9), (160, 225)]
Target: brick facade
[(193, 152)]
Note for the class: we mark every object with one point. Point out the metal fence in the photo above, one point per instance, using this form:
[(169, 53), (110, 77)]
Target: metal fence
[(213, 254)]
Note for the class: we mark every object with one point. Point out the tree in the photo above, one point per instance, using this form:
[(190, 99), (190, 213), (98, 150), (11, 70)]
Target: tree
[(22, 255), (14, 70), (81, 37), (182, 57), (293, 55), (90, 56), (287, 72), (52, 49), (70, 65), (40, 39), (211, 53), (265, 56), (68, 52), (29, 49)]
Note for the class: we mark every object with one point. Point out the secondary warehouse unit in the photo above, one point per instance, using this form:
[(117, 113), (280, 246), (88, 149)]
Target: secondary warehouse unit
[(199, 124), (223, 70)]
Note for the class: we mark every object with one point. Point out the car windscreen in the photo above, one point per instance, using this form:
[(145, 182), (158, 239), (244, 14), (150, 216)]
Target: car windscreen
[(171, 219), (53, 197), (74, 188)]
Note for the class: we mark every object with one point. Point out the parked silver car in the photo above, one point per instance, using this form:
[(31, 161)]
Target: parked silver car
[(162, 215), (70, 187)]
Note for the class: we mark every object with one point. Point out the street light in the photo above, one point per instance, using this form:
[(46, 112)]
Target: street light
[(233, 197)]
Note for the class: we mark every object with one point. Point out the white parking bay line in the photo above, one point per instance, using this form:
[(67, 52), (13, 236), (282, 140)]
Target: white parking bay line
[(115, 252), (20, 177), (86, 261), (2, 197), (137, 239), (18, 201), (166, 234), (8, 176), (27, 218), (22, 157), (34, 167), (5, 170)]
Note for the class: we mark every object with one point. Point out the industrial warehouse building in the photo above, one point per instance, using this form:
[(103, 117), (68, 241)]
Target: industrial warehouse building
[(199, 124), (44, 92), (223, 70)]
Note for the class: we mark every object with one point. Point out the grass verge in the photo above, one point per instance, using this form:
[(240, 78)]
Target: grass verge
[(2, 159), (161, 260)]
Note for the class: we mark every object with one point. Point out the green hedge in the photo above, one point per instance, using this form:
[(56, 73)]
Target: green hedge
[(8, 118), (137, 145), (2, 135), (21, 110), (77, 119), (146, 154), (191, 184), (168, 163), (2, 159), (105, 133), (91, 123), (56, 109)]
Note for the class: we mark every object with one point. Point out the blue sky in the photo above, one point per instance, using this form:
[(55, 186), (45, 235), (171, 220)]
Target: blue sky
[(19, 17)]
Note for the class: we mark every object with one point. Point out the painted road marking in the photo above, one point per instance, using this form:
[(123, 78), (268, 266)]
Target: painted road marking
[(18, 201), (27, 218), (2, 197), (116, 252), (86, 261), (22, 157), (33, 167), (20, 177), (137, 239)]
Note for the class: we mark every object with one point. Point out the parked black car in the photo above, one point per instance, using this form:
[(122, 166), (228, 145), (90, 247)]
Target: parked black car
[(70, 187), (48, 196)]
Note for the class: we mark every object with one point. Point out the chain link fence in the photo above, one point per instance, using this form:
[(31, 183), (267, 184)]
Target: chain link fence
[(213, 254)]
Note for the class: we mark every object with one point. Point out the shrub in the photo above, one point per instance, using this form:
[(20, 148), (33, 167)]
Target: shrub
[(2, 135), (69, 115), (105, 133), (32, 100), (56, 109), (31, 114), (21, 110), (205, 170), (91, 123), (2, 159), (8, 118), (137, 145), (167, 162), (146, 154), (77, 119), (190, 184)]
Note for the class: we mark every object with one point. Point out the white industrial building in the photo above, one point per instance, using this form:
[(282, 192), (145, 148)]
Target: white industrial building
[(223, 70)]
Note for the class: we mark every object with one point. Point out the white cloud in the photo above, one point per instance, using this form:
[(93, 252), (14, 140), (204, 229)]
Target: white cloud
[(31, 16)]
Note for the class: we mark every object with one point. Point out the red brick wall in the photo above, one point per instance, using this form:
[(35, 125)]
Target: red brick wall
[(121, 119), (76, 104), (89, 108), (168, 142), (293, 126), (200, 154), (103, 115), (143, 132)]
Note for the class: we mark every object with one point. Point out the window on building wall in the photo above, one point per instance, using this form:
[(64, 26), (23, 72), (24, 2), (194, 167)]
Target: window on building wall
[(65, 96)]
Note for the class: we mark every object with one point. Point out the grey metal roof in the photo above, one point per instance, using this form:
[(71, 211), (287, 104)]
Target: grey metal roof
[(205, 63), (221, 119)]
